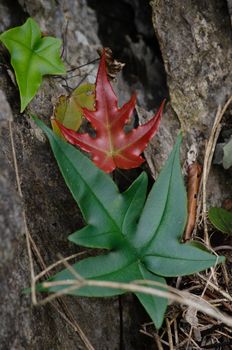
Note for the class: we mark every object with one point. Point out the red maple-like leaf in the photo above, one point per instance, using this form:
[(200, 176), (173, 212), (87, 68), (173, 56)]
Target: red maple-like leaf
[(112, 147)]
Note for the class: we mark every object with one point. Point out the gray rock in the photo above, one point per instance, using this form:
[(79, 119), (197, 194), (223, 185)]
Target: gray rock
[(5, 112), (195, 41)]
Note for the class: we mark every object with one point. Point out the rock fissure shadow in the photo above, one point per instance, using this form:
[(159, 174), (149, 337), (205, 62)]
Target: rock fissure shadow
[(126, 27)]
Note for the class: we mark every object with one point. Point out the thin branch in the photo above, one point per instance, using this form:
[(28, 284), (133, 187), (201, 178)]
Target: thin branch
[(212, 285), (27, 233), (179, 296), (52, 266), (210, 147), (171, 293), (169, 331), (83, 65)]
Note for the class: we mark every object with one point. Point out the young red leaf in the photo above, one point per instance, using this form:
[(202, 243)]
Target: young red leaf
[(112, 147)]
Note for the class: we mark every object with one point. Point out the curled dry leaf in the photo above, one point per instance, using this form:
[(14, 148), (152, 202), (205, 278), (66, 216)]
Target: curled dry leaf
[(191, 316), (194, 177), (113, 66)]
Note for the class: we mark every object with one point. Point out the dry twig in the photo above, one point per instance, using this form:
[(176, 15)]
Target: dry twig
[(170, 293), (210, 147)]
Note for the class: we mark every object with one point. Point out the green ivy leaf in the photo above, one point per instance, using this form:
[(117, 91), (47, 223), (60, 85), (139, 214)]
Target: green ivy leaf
[(32, 57), (221, 219), (69, 109), (143, 239)]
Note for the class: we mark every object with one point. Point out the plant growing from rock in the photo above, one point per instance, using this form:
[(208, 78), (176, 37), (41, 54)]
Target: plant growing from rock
[(140, 233)]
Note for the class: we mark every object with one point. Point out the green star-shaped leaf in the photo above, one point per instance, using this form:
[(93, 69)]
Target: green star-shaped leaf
[(32, 57), (143, 235)]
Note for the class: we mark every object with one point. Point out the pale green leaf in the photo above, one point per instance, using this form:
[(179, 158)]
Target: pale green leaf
[(69, 109)]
